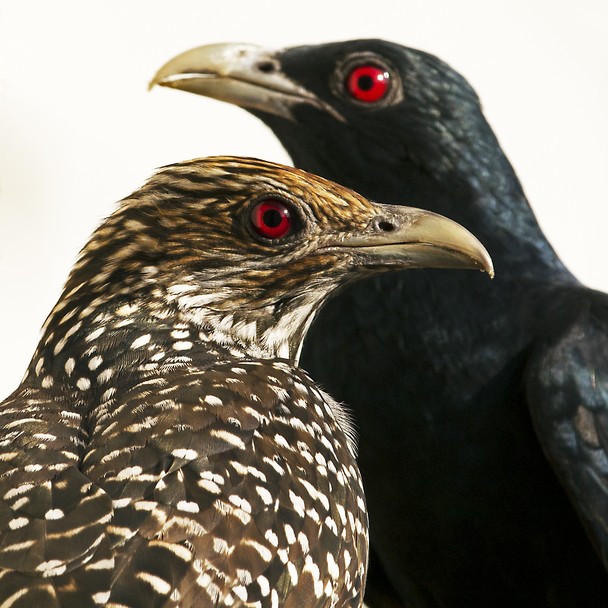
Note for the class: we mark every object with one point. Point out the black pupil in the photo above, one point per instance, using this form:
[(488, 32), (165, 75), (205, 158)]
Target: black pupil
[(272, 218), (366, 83)]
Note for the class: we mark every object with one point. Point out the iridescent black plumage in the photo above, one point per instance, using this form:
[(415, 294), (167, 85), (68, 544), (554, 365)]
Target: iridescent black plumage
[(486, 445), (164, 449)]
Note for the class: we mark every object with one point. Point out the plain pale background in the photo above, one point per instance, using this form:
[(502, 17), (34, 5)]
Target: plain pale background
[(78, 129)]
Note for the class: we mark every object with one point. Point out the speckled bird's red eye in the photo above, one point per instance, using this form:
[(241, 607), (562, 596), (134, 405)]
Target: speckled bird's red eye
[(272, 219), (368, 83)]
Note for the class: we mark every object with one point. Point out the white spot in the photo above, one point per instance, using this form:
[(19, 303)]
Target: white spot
[(69, 366), (128, 473), (274, 599), (32, 468), (95, 362), (313, 569), (39, 365), (281, 441), (331, 524), (83, 384), (120, 503), (244, 576), (347, 558), (290, 534), (213, 400), (141, 341), (101, 597), (272, 538), (264, 585), (265, 552), (283, 555), (264, 494), (108, 394), (95, 334), (332, 567), (293, 573), (54, 514), (53, 567), (45, 436), (298, 503), (182, 345), (240, 592), (145, 505), (341, 513), (126, 310), (228, 437), (209, 486), (177, 290), (275, 465), (161, 586), (105, 375), (18, 522), (303, 540), (312, 513), (240, 502), (186, 454), (178, 550), (47, 382), (220, 545), (189, 506), (180, 334), (22, 489), (102, 564)]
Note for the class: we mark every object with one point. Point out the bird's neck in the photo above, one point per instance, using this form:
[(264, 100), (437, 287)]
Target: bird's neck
[(91, 350), (271, 330)]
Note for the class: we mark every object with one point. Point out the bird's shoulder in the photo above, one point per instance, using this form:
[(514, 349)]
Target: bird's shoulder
[(566, 386), (229, 473)]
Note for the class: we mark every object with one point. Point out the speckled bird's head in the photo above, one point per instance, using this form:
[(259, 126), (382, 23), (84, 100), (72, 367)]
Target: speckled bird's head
[(248, 250)]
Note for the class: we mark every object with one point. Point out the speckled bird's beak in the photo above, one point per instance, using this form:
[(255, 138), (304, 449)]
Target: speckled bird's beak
[(414, 238)]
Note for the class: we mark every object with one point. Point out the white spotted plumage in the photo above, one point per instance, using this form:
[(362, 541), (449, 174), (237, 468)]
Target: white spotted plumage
[(165, 450)]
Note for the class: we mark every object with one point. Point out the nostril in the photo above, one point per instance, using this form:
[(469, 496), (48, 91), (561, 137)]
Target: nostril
[(386, 226), (266, 66)]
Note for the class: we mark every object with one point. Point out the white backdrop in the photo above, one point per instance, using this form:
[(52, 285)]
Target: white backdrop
[(78, 129)]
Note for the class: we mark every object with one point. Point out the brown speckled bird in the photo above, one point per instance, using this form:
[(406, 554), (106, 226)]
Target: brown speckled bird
[(164, 448)]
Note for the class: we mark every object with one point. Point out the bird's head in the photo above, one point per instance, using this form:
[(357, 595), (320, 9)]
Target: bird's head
[(250, 250), (369, 99)]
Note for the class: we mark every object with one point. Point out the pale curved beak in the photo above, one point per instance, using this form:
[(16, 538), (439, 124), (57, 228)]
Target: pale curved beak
[(406, 237), (245, 75)]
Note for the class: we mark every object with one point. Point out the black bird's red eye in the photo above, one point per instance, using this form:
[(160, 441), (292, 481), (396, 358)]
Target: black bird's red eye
[(272, 219), (368, 83)]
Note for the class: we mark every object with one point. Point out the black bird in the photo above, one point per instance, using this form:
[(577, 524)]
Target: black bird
[(482, 407), (164, 448)]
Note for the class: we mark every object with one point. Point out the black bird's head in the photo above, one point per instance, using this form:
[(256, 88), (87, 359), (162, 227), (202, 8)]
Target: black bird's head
[(367, 98), (345, 107), (248, 250)]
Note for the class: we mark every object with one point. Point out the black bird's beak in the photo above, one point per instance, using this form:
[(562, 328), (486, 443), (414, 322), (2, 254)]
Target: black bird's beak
[(404, 237), (245, 75)]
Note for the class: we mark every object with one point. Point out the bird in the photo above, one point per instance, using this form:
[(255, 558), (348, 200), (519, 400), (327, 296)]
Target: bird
[(485, 455), (165, 448)]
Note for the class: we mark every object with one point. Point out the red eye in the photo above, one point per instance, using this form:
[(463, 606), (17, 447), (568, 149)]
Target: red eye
[(272, 219), (368, 83)]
